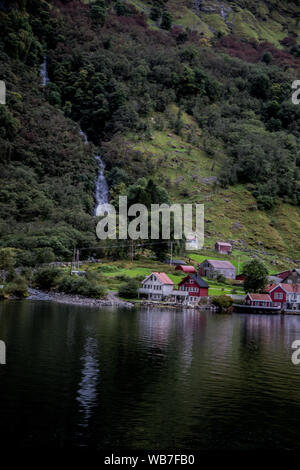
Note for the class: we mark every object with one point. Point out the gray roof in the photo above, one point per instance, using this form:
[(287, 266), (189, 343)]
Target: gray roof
[(275, 279), (198, 279), (175, 261), (220, 264)]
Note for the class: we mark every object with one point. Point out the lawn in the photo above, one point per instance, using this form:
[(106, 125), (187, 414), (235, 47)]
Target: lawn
[(114, 273)]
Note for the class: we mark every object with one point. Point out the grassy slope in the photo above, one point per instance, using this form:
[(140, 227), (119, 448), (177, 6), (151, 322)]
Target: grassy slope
[(110, 272), (269, 21), (230, 214)]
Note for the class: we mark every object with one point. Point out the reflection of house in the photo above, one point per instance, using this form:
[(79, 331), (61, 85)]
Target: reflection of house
[(258, 300), (158, 286), (195, 286), (211, 268), (186, 269), (285, 295), (223, 248)]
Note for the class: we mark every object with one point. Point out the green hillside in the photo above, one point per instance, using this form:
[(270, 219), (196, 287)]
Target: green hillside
[(194, 95), (268, 21)]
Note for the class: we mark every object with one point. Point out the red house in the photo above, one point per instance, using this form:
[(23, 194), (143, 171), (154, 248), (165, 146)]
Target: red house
[(277, 294), (223, 248), (258, 300), (195, 286), (186, 269)]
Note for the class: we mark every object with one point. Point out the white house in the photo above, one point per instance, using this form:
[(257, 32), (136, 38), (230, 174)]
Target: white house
[(158, 286), (191, 242)]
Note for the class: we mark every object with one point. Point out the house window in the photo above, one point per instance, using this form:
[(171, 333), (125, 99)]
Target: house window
[(278, 295)]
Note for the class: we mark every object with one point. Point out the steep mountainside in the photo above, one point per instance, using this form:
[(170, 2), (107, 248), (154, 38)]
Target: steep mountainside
[(262, 20), (195, 95)]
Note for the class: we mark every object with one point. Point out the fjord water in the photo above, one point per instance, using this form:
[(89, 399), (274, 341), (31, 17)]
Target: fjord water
[(147, 379)]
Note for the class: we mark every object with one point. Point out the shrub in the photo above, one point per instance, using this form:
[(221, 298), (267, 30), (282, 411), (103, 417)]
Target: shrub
[(166, 21), (123, 278), (46, 278), (80, 286), (129, 289), (106, 268), (221, 278), (223, 303), (18, 288)]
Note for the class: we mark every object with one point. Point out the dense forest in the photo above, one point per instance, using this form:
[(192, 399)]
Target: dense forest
[(115, 69)]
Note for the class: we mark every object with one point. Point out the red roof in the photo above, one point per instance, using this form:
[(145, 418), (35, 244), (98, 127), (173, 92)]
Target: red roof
[(185, 269), (270, 287), (163, 277), (283, 274), (291, 287), (265, 297), (225, 244), (285, 287)]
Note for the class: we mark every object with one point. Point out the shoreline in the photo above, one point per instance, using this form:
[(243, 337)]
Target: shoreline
[(110, 300)]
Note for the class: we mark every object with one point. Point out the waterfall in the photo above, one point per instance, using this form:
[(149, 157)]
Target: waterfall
[(44, 72), (222, 11), (101, 191)]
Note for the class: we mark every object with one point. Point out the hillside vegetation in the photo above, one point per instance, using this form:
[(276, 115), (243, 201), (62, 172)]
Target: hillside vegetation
[(194, 95)]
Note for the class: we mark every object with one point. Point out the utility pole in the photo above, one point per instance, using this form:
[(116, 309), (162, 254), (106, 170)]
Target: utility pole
[(171, 257), (239, 265), (132, 253), (77, 260), (73, 260)]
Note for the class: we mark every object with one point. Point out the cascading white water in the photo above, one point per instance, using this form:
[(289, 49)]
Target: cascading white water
[(44, 72), (222, 11), (102, 191)]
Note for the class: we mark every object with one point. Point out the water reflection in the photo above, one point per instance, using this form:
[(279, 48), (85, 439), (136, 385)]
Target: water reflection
[(87, 395), (149, 378)]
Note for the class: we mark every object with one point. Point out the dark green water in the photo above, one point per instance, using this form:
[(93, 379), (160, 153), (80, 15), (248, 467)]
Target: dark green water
[(147, 379)]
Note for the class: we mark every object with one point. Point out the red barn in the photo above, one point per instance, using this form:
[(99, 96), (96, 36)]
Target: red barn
[(186, 269), (195, 286), (223, 248)]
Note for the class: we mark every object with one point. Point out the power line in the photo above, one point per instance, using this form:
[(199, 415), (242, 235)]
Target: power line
[(128, 245)]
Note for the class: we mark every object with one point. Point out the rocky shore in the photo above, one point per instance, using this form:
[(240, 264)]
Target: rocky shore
[(111, 300)]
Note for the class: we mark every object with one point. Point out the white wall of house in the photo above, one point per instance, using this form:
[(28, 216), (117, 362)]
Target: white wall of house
[(155, 288)]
